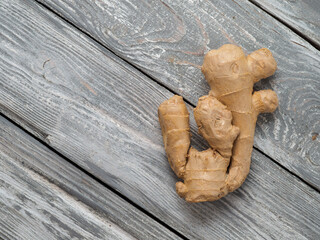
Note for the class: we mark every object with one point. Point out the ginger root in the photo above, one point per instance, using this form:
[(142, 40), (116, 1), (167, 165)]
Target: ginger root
[(226, 118)]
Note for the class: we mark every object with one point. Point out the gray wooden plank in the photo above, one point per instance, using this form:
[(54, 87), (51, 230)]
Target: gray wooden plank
[(167, 40), (303, 16), (33, 208), (102, 114), (43, 195)]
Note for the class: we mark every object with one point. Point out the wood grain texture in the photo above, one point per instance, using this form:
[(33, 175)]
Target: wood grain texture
[(168, 39), (303, 16), (43, 195), (32, 207), (101, 113)]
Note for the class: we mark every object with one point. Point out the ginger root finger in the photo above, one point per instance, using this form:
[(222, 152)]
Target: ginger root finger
[(265, 101), (174, 122), (214, 123), (261, 64)]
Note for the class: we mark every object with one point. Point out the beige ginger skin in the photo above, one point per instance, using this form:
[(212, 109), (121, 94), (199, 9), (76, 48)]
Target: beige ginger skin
[(226, 119)]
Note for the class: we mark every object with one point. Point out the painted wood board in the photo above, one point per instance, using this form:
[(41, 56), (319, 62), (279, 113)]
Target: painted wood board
[(43, 195), (168, 39), (303, 16), (100, 112)]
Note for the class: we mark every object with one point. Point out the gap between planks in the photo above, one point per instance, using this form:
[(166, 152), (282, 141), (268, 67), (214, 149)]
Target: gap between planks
[(172, 91), (292, 28), (96, 179)]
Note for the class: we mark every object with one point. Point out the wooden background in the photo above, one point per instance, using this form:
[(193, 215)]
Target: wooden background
[(80, 144)]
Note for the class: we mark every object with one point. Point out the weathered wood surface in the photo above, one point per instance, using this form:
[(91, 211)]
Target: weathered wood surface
[(43, 195), (167, 40), (101, 113), (303, 16)]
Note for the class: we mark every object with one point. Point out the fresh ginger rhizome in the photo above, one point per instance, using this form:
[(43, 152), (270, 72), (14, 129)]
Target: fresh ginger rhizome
[(226, 118)]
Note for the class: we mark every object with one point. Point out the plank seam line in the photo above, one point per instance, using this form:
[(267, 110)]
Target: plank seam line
[(292, 28), (94, 178), (155, 80), (292, 173), (105, 47)]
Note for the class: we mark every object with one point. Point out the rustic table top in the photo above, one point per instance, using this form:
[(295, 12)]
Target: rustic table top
[(81, 151)]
